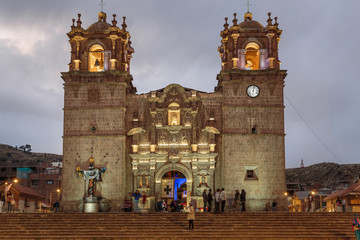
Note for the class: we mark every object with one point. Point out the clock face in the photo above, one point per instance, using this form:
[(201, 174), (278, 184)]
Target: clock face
[(253, 91)]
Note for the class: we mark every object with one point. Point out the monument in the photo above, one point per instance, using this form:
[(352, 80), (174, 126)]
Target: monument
[(91, 177), (175, 138)]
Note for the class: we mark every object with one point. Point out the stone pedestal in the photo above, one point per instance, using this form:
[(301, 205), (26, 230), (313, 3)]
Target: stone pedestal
[(91, 205)]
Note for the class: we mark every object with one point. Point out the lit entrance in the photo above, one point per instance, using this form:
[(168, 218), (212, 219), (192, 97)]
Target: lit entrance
[(173, 187)]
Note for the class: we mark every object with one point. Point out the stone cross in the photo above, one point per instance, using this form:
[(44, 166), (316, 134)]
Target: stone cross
[(167, 189), (102, 5), (248, 6)]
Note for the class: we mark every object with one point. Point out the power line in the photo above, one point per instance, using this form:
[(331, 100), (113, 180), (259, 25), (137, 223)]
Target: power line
[(311, 130)]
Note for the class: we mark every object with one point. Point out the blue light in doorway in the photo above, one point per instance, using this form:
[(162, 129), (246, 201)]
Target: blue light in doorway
[(178, 183)]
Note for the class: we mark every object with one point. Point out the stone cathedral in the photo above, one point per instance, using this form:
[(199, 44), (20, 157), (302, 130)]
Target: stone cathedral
[(174, 142)]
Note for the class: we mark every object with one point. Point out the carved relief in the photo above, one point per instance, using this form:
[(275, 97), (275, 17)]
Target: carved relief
[(144, 181), (188, 118), (159, 119), (185, 139), (162, 138)]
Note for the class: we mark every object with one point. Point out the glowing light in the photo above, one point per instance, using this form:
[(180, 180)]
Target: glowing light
[(313, 193), (16, 180), (58, 190), (285, 193)]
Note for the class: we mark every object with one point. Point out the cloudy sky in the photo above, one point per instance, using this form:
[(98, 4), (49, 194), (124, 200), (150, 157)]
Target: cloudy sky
[(176, 41)]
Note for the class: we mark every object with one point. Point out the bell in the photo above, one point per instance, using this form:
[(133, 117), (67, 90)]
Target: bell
[(97, 64)]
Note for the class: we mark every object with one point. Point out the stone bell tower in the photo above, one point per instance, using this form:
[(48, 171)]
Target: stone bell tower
[(253, 136), (96, 87)]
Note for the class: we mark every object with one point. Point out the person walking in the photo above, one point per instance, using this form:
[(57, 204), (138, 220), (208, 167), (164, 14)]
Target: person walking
[(356, 226), (136, 196), (237, 200), (191, 216), (205, 199), (56, 206), (223, 199), (210, 199), (243, 200), (217, 201), (2, 200)]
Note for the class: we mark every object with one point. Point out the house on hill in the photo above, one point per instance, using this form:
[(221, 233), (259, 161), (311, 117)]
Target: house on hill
[(27, 199), (349, 199)]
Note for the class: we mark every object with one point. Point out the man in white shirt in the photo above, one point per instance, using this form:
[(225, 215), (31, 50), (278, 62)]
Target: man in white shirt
[(223, 199), (217, 201)]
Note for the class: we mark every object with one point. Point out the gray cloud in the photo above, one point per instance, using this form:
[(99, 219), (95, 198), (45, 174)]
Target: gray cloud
[(176, 42)]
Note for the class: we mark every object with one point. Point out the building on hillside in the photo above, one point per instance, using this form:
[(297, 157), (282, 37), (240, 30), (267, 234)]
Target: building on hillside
[(175, 137), (349, 199), (47, 183), (27, 199), (291, 187), (310, 200)]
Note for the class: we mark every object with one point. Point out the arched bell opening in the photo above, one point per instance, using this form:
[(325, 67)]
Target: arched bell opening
[(96, 58), (252, 56)]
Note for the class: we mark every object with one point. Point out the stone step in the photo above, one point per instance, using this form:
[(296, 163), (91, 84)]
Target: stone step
[(265, 225)]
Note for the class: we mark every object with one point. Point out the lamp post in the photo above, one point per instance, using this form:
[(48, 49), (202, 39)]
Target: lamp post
[(57, 191)]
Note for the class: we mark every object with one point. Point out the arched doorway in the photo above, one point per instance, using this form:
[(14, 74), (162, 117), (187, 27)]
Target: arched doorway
[(167, 174), (174, 187)]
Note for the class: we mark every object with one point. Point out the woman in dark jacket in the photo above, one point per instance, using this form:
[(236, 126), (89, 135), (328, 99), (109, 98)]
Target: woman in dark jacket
[(210, 199)]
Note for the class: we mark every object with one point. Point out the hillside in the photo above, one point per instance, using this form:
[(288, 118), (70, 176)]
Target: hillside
[(9, 154), (330, 175)]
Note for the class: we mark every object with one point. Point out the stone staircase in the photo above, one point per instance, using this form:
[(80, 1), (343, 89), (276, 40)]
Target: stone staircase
[(249, 225)]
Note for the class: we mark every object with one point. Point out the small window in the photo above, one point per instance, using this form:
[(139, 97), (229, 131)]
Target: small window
[(253, 130), (250, 175), (49, 182), (35, 182)]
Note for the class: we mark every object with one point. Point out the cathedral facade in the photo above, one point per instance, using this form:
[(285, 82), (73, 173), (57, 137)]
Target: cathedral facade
[(175, 142)]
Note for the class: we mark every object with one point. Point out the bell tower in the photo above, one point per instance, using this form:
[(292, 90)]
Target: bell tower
[(96, 88), (253, 152)]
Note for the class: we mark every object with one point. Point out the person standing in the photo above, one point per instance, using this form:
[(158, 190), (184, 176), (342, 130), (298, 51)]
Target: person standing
[(356, 226), (2, 200), (243, 200), (343, 203), (191, 216), (217, 201), (13, 203), (205, 199), (223, 199), (136, 196), (8, 201), (274, 204), (210, 199), (237, 200), (143, 200)]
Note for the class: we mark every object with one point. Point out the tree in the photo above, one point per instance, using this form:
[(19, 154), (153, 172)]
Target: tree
[(27, 148)]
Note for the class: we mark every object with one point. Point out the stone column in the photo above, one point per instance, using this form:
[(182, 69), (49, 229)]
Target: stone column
[(262, 59), (242, 58)]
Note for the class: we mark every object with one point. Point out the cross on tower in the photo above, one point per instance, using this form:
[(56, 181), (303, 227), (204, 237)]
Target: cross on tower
[(248, 6), (102, 5), (167, 189)]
